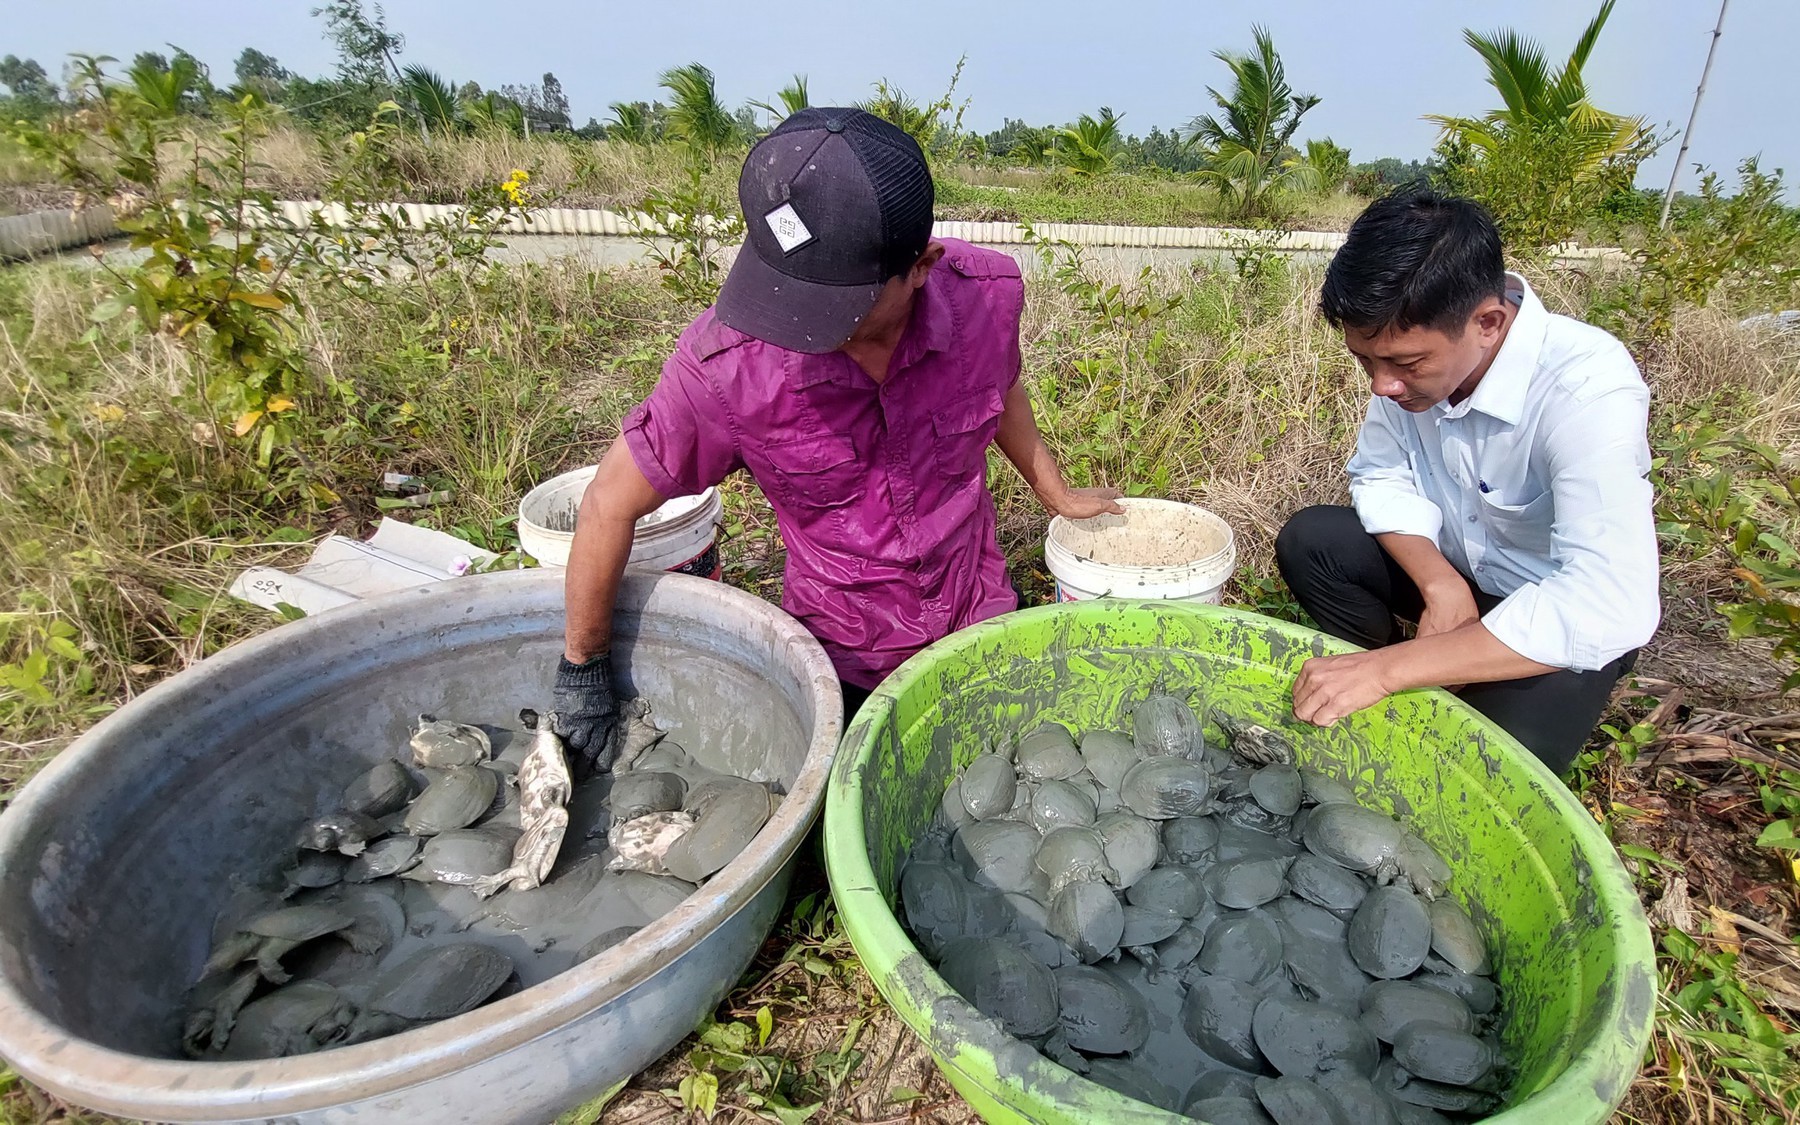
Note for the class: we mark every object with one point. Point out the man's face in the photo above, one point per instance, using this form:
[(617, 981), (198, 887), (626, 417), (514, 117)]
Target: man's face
[(1421, 366)]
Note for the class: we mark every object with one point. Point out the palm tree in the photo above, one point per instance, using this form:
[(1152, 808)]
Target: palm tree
[(492, 112), (630, 123), (897, 107), (1034, 148), (793, 99), (432, 98), (1326, 165), (1245, 150), (698, 118), (1537, 99), (164, 87), (1089, 146)]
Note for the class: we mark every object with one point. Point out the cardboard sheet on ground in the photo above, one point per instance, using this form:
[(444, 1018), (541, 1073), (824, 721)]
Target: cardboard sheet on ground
[(399, 556)]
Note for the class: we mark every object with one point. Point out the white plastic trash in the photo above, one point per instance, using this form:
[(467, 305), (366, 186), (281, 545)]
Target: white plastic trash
[(681, 536), (1157, 549)]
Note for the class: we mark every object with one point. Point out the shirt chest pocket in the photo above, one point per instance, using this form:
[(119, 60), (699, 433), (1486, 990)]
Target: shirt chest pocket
[(961, 434), (1523, 526), (817, 473)]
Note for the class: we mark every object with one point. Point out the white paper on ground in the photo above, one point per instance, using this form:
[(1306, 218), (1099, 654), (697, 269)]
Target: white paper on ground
[(399, 556)]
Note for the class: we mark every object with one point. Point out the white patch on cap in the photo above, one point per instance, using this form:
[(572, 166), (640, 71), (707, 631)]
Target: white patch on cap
[(788, 229)]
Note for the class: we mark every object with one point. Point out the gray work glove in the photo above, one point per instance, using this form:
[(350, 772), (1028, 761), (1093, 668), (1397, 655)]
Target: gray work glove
[(587, 714)]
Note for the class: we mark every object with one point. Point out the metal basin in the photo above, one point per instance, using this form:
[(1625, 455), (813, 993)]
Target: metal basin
[(114, 861)]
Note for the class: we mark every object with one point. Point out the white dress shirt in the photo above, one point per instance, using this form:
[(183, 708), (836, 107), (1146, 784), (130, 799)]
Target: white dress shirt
[(1534, 487)]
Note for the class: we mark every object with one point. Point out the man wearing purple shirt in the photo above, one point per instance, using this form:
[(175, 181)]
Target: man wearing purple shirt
[(858, 370)]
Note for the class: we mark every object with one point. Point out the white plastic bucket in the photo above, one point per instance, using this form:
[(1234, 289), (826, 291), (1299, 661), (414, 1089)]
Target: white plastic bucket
[(681, 536), (1157, 549)]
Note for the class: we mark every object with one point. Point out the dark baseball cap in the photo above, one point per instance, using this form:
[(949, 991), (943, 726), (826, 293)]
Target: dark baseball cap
[(836, 202)]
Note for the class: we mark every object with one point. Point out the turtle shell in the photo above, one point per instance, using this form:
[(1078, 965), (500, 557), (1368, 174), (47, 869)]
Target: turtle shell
[(1356, 838), (1048, 753), (441, 981), (1189, 839), (380, 791), (1003, 982), (300, 923), (988, 786), (999, 853), (1164, 725), (456, 799), (1059, 804), (1072, 855), (1089, 918), (460, 856), (1441, 1054), (1390, 934), (1132, 844), (442, 744), (1422, 868), (724, 829), (1172, 890), (1325, 884), (1455, 938), (642, 792), (1162, 787), (1147, 926), (1291, 1100), (1391, 1006), (1247, 883), (1099, 1013), (1244, 945), (1323, 789), (302, 1017), (935, 899), (388, 856), (1305, 1040), (1107, 755), (1219, 1015), (1277, 789)]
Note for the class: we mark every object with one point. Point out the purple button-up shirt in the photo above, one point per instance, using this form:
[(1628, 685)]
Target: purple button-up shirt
[(880, 491)]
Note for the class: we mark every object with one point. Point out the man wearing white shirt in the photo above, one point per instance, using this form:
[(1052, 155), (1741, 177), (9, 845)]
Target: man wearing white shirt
[(1499, 489)]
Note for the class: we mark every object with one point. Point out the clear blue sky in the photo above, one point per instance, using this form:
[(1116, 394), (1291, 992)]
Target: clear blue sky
[(1378, 66)]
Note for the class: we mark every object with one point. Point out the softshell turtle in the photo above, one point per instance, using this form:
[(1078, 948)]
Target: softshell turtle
[(1004, 983), (1162, 787), (1189, 839), (1390, 933), (935, 898), (1323, 971), (645, 791), (525, 909), (1219, 1015), (1477, 992), (456, 799), (380, 791), (544, 786), (441, 744), (389, 855), (667, 756), (1422, 868), (1244, 945), (1048, 753), (590, 812), (212, 1009), (1228, 1110), (1455, 938), (1132, 844), (605, 941), (1325, 884), (1163, 725), (953, 815), (303, 1017), (313, 870), (1099, 1013), (724, 829), (1408, 1114), (433, 984), (1357, 1096), (1060, 804), (1299, 1101), (1173, 953), (1402, 1085), (461, 856), (1296, 915), (644, 897), (1133, 1079), (703, 795), (640, 733), (1356, 838), (988, 786), (1223, 1082), (999, 853), (1277, 788), (1391, 1006), (1254, 743), (343, 831), (1089, 918), (1237, 842), (1323, 789), (1107, 755), (1074, 855), (269, 937), (1144, 927), (1442, 1054), (643, 843), (1304, 1040), (1247, 883), (1172, 890)]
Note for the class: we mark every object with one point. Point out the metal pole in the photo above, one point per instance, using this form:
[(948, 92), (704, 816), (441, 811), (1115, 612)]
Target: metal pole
[(1687, 134)]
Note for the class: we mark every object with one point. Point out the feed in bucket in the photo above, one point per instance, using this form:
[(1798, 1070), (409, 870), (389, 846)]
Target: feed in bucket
[(680, 537), (1145, 905), (1156, 549)]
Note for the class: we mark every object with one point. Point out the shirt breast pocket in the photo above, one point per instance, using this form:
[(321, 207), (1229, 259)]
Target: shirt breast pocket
[(1524, 526), (817, 473), (961, 434)]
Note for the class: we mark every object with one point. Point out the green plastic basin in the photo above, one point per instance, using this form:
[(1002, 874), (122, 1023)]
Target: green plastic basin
[(1572, 949)]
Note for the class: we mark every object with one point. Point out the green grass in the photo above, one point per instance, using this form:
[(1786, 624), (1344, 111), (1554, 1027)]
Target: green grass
[(127, 507)]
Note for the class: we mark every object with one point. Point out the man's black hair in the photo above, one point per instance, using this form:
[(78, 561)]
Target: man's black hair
[(1414, 258)]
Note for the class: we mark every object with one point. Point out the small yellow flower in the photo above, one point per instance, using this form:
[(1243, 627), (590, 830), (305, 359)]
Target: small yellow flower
[(521, 175)]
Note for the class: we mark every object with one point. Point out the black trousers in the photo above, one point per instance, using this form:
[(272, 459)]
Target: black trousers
[(1357, 592)]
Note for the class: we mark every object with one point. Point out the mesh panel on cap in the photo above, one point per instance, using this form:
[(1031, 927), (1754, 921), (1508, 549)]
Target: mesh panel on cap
[(903, 189)]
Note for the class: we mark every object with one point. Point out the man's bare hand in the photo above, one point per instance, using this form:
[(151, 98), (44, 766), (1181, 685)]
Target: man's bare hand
[(1449, 607), (1085, 503), (1331, 687)]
